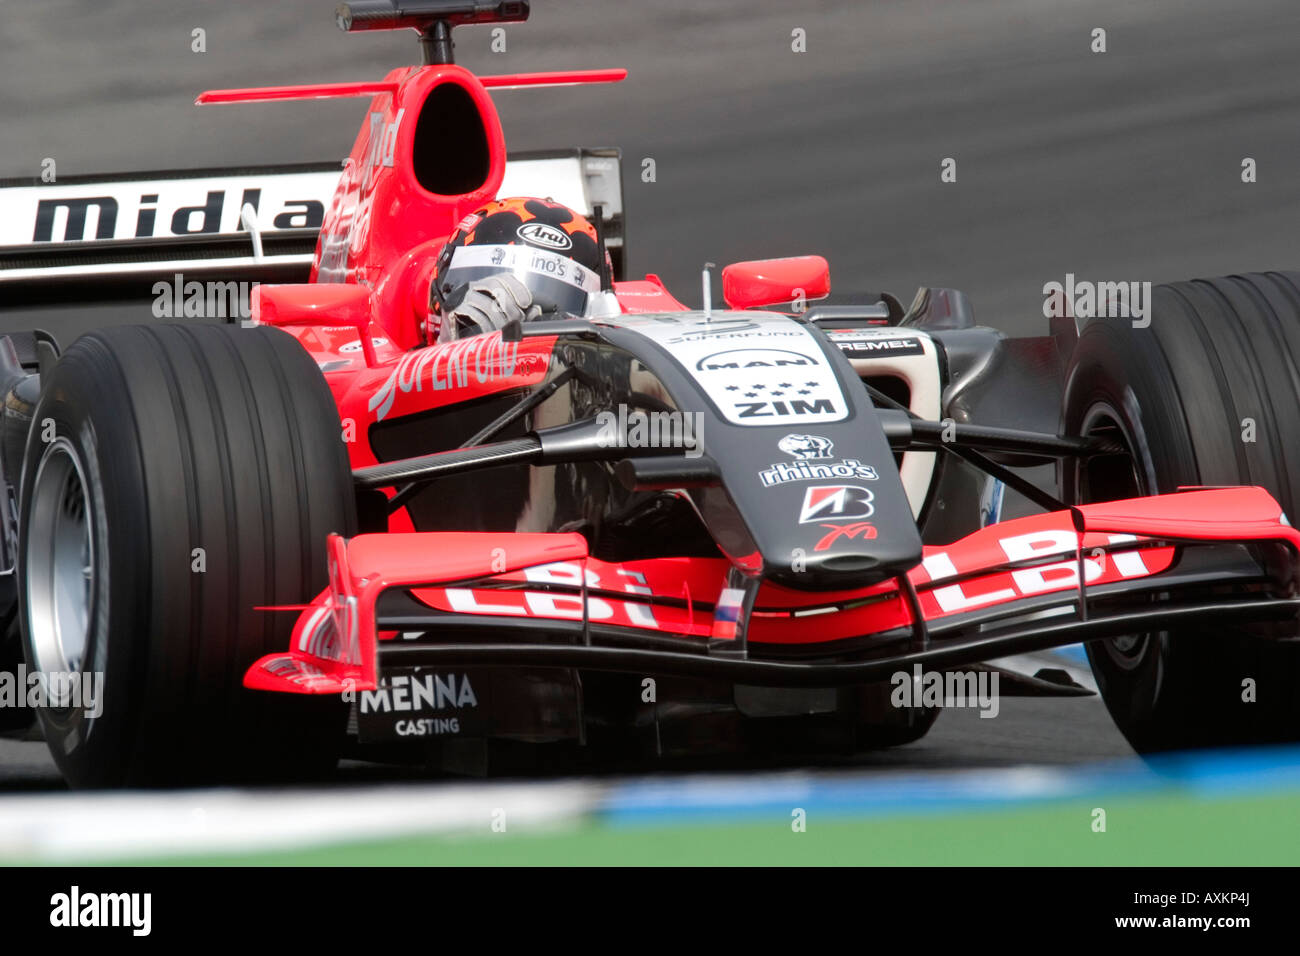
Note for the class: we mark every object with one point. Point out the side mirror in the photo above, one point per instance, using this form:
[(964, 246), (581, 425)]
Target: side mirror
[(317, 304), (758, 282)]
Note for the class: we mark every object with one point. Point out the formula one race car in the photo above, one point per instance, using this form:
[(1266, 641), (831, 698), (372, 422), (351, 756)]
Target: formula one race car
[(624, 528)]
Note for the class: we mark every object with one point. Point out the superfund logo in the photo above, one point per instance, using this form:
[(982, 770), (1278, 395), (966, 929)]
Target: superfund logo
[(456, 365)]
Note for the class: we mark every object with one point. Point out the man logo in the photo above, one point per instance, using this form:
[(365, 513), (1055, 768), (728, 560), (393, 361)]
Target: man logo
[(806, 447), (836, 503), (544, 235), (734, 359)]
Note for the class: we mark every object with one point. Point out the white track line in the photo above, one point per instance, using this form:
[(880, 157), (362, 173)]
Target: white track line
[(52, 828)]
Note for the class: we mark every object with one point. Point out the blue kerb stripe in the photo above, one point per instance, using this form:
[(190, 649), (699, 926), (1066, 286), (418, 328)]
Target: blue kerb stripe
[(1074, 652), (1232, 771), (725, 799)]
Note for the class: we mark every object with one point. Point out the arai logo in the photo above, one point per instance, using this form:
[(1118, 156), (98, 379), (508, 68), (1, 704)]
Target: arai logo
[(542, 234)]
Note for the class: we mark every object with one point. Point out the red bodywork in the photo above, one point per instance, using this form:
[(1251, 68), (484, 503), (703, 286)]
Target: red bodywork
[(999, 565), (362, 318)]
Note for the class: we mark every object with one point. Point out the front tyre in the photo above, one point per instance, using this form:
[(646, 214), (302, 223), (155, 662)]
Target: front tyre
[(176, 479), (1217, 365)]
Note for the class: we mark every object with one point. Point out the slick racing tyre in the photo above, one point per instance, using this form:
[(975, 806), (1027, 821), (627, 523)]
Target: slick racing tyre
[(176, 479), (1207, 394), (885, 725)]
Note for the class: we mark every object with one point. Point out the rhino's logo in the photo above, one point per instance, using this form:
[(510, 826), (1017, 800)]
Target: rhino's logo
[(806, 447)]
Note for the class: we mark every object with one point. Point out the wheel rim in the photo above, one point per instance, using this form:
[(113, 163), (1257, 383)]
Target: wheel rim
[(1107, 477), (60, 562)]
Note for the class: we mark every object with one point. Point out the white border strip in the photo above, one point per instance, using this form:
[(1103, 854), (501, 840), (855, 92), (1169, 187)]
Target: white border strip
[(98, 827)]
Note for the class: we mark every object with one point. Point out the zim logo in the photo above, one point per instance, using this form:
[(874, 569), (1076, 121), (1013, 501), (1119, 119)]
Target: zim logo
[(753, 358), (836, 503), (544, 235), (798, 406)]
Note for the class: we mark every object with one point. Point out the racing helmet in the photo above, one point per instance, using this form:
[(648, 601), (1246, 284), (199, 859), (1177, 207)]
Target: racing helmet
[(547, 246)]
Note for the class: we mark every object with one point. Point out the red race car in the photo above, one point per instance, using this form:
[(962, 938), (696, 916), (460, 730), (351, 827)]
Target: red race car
[(465, 493)]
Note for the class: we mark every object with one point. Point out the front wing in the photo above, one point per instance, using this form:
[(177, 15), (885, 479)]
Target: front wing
[(1199, 556)]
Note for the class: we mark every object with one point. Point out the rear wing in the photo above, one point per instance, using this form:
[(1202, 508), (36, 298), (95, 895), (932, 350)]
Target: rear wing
[(88, 239)]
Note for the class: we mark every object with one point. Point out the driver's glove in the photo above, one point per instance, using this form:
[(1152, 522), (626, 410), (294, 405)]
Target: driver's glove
[(489, 304)]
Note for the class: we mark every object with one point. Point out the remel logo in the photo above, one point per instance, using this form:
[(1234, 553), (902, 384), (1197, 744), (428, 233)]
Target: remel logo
[(836, 503), (544, 235)]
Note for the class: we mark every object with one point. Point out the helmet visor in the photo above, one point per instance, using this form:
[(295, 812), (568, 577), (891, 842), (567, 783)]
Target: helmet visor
[(557, 283)]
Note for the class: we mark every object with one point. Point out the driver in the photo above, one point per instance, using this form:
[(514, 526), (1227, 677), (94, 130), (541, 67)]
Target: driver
[(513, 259)]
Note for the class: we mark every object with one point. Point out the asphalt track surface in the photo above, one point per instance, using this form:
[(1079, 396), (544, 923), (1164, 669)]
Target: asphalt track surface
[(1123, 165), (1026, 731)]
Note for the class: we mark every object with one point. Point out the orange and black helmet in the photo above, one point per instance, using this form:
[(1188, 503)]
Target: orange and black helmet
[(549, 247)]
